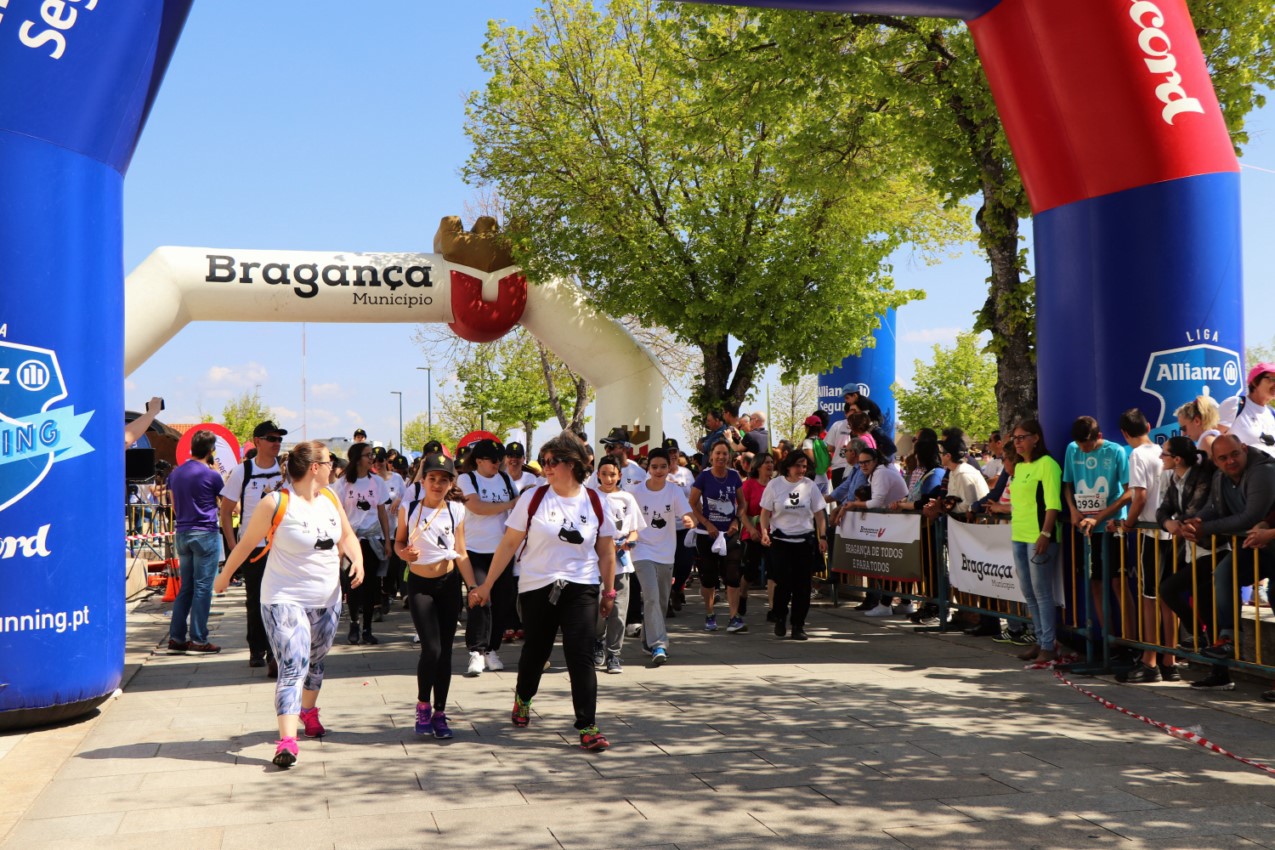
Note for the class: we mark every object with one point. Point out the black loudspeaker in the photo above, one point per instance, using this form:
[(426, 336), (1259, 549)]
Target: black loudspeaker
[(139, 464)]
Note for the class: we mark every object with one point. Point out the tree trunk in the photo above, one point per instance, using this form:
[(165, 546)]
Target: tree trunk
[(1009, 312), (723, 379)]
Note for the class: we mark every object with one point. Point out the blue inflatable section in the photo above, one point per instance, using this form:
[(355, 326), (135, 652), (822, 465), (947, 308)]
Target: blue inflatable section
[(1103, 347), (79, 78), (872, 371)]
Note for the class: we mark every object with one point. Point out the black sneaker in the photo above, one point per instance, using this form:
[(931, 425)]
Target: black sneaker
[(1024, 638), (370, 639), (354, 634), (1223, 649), (770, 616), (1141, 674), (1215, 681), (781, 628), (1170, 673), (982, 630), (1005, 636)]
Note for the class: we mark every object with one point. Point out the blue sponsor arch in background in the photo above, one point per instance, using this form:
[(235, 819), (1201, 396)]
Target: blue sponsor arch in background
[(1108, 107)]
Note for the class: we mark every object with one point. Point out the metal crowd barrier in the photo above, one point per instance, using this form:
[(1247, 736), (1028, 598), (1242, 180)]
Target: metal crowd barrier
[(1118, 620), (148, 533)]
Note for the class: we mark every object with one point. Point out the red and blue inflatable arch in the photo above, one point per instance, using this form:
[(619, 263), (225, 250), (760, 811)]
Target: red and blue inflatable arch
[(1107, 104)]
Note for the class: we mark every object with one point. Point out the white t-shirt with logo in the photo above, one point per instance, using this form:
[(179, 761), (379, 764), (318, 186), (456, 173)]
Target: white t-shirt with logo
[(262, 481), (682, 477), (837, 439), (298, 572), (627, 517), (662, 510), (526, 480), (433, 531), (360, 500), (483, 533), (792, 506), (1249, 424), (1146, 470), (397, 487), (560, 540)]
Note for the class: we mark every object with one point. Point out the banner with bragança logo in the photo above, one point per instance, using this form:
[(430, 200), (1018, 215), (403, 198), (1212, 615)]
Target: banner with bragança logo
[(980, 560), (879, 545)]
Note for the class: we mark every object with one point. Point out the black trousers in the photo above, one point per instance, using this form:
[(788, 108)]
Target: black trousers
[(794, 563), (485, 626), (576, 615), (365, 597), (435, 606), (258, 643)]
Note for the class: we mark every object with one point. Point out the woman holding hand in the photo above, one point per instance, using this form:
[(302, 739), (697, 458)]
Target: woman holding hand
[(792, 527)]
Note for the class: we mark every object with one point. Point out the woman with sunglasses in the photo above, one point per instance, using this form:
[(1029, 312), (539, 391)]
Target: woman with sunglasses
[(565, 544), (306, 533), (431, 539), (792, 529), (364, 497), (1034, 532)]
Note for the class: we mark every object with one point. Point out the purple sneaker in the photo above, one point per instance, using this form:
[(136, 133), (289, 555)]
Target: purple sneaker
[(441, 730), (423, 715)]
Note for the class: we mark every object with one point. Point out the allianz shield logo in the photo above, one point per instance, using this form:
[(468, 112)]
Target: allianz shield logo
[(35, 432), (1176, 376)]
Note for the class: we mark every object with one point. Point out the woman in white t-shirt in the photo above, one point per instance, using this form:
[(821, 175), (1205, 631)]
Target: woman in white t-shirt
[(489, 495), (364, 497), (392, 472), (300, 591), (792, 526), (431, 539), (628, 521), (565, 544)]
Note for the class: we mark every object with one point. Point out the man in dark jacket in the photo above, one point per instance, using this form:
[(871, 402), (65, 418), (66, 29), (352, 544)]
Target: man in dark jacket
[(1243, 493)]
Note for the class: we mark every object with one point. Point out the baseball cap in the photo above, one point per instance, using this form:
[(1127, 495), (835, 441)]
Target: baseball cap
[(515, 449), (1257, 371), (852, 389), (813, 420), (670, 444), (359, 432), (437, 462), (488, 449), (267, 427)]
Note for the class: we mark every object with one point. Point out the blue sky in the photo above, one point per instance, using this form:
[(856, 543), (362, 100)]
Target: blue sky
[(311, 128)]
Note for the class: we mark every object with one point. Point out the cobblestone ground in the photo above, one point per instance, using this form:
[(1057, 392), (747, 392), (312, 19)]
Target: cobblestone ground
[(867, 736)]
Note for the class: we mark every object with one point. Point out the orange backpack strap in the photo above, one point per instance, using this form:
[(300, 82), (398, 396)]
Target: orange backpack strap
[(280, 508), (332, 498)]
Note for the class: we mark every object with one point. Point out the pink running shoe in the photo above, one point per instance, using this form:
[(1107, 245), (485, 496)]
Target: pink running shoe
[(310, 719), (423, 716), (285, 753)]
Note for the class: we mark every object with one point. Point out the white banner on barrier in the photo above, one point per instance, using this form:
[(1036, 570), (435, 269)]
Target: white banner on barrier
[(980, 560)]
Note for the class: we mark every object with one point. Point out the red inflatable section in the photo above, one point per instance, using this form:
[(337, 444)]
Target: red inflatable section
[(1098, 96), (475, 436), (477, 320), (227, 452)]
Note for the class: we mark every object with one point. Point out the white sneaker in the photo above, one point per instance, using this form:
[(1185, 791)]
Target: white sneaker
[(416, 638), (882, 610), (493, 662), (475, 664), (905, 609), (633, 630)]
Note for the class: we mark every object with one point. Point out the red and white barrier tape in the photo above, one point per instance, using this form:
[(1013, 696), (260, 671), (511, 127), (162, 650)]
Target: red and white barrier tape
[(1175, 731), (137, 538)]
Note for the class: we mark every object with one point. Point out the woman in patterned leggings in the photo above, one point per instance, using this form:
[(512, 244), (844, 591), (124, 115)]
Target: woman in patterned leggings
[(308, 533)]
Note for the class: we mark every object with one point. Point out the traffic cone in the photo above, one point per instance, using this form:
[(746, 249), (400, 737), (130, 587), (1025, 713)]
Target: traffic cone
[(174, 583)]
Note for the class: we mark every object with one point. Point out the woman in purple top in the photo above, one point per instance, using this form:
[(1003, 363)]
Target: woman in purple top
[(716, 499), (194, 487)]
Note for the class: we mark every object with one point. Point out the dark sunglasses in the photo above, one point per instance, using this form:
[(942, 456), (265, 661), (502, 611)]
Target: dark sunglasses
[(272, 438), (554, 461)]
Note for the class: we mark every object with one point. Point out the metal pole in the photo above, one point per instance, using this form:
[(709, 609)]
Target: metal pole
[(400, 417), (429, 399)]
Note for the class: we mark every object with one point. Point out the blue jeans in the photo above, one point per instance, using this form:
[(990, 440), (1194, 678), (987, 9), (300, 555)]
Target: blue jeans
[(1036, 575), (198, 552)]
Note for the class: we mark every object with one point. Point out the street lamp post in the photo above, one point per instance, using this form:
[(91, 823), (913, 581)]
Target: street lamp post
[(429, 400), (400, 417)]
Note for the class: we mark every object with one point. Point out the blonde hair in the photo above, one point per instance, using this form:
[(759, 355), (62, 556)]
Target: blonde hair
[(1202, 407)]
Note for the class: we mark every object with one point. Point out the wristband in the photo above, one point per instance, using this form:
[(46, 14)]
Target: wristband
[(609, 594)]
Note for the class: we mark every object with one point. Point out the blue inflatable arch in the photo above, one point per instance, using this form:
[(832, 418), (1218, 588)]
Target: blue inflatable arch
[(1108, 106)]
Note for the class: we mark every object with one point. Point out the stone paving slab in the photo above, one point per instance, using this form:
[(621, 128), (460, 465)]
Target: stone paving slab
[(868, 736)]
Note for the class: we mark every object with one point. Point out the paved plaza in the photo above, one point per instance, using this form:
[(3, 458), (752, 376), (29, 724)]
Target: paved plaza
[(868, 736)]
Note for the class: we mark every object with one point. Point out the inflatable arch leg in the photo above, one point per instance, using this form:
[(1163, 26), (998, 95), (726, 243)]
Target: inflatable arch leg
[(1121, 144)]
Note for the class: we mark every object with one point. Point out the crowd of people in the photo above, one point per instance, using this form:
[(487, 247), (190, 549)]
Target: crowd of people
[(594, 549)]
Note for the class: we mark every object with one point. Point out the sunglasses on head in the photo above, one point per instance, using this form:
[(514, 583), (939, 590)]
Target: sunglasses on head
[(272, 438)]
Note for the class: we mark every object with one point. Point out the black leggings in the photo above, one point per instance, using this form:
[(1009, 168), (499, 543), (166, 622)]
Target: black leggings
[(486, 624), (364, 597), (435, 606), (576, 613)]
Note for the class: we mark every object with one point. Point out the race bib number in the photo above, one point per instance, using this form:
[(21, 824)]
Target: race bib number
[(1091, 503)]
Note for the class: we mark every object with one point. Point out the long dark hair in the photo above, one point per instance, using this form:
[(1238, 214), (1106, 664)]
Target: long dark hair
[(356, 453), (758, 460), (1032, 426)]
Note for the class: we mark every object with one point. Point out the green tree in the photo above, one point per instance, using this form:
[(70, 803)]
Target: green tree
[(243, 413), (789, 408), (417, 432), (1254, 354), (927, 75), (956, 390), (688, 201)]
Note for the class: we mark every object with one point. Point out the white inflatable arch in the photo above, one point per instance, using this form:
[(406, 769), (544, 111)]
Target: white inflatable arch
[(174, 286)]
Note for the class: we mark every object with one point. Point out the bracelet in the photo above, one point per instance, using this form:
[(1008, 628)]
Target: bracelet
[(609, 594)]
